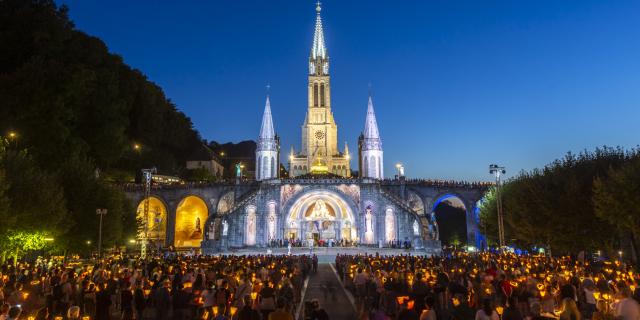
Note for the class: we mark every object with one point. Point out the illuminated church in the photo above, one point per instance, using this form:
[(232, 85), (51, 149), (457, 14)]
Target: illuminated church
[(319, 153), (320, 202)]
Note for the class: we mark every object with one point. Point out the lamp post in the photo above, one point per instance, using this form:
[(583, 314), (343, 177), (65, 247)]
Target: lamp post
[(101, 213), (497, 171), (13, 137), (146, 175)]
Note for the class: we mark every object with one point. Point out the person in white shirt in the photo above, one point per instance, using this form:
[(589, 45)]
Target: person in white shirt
[(487, 312), (627, 308), (428, 313)]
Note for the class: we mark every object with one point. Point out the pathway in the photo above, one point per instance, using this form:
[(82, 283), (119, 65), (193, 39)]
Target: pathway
[(325, 287)]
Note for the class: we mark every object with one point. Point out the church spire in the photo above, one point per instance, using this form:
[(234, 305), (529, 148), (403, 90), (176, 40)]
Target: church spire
[(267, 148), (370, 124), (266, 130), (370, 144), (318, 49)]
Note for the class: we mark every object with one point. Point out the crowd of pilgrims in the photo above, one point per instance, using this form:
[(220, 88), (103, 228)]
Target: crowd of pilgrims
[(179, 287), (456, 285), (489, 286)]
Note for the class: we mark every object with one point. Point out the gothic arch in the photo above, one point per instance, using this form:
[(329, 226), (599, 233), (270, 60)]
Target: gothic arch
[(258, 167), (274, 173)]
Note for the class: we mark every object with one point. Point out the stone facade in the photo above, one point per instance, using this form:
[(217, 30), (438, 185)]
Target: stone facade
[(251, 214)]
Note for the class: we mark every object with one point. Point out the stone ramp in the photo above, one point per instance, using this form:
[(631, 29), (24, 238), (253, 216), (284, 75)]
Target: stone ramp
[(325, 287)]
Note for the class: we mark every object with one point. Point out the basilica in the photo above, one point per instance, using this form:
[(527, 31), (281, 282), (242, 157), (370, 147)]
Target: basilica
[(320, 202)]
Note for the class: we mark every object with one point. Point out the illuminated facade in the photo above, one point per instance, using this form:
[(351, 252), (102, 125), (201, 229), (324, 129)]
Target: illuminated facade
[(320, 202)]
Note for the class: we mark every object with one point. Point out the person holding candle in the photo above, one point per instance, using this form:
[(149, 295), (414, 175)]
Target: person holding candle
[(487, 312)]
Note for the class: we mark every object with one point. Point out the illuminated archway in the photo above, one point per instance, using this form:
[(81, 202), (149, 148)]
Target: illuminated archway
[(450, 220), (321, 215), (157, 220), (191, 215)]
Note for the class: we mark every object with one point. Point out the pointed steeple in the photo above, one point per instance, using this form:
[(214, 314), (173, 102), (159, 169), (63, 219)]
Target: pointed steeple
[(318, 49), (266, 130), (370, 124), (346, 148)]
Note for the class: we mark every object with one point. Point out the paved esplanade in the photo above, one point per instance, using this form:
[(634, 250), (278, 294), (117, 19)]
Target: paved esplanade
[(325, 287)]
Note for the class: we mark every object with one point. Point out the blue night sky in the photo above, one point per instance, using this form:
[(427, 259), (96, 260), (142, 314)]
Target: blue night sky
[(457, 85)]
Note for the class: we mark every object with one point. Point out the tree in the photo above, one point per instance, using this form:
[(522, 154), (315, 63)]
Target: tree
[(552, 207), (617, 198)]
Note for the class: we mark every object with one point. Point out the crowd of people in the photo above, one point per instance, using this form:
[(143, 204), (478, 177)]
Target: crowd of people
[(180, 287), (457, 285), (489, 286), (199, 184), (440, 183)]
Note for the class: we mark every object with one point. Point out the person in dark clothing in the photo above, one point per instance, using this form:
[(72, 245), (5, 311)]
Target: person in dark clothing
[(318, 313), (181, 300), (461, 309), (512, 312), (161, 300), (126, 302), (419, 291), (139, 301), (247, 312), (103, 302)]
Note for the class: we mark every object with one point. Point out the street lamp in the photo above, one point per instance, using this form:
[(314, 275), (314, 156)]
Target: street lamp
[(497, 171), (147, 174), (400, 169), (101, 213)]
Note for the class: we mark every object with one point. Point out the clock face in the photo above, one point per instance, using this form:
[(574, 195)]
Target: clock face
[(319, 135)]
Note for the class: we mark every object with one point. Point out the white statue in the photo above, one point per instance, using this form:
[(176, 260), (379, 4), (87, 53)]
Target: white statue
[(272, 226), (251, 228), (368, 225), (416, 228), (320, 210), (225, 228), (211, 232), (390, 227)]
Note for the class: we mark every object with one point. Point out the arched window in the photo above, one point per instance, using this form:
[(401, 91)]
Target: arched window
[(315, 94), (274, 173), (322, 94), (258, 168), (265, 167), (365, 167)]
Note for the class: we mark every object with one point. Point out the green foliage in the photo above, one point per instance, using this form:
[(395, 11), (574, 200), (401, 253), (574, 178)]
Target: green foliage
[(16, 243), (616, 197), (554, 206), (78, 110), (199, 174)]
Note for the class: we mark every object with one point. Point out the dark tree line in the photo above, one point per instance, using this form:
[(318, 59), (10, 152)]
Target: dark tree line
[(80, 118), (589, 201)]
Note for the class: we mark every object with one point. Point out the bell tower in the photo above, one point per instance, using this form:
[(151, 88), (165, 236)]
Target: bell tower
[(319, 151)]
